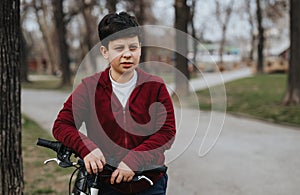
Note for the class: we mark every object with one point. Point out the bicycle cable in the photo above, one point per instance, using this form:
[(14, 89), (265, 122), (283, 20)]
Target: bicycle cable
[(70, 181)]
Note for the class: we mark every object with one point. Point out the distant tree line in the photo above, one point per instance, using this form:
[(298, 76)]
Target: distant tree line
[(57, 18)]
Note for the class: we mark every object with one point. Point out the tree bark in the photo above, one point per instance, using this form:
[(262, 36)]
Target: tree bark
[(181, 22), (62, 43), (24, 60), (11, 180), (261, 38), (193, 29), (292, 96)]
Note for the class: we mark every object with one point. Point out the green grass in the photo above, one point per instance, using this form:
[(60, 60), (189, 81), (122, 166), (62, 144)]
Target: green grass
[(259, 96), (46, 84), (42, 84), (40, 178)]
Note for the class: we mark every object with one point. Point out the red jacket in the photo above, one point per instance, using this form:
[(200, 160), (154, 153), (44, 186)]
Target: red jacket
[(137, 134)]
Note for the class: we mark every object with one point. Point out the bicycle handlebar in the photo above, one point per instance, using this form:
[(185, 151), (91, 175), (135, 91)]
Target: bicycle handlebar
[(64, 153), (63, 160)]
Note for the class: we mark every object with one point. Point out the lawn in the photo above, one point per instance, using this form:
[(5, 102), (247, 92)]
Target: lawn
[(259, 96), (39, 178), (46, 84)]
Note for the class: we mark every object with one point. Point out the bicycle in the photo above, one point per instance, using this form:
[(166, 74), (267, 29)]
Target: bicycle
[(81, 185)]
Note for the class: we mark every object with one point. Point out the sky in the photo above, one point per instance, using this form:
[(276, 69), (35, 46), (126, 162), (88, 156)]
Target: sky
[(204, 14)]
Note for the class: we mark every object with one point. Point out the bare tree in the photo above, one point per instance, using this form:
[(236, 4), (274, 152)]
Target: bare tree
[(11, 180), (223, 14), (90, 24), (41, 10), (181, 21), (251, 20), (60, 24), (292, 95), (276, 9), (111, 5), (142, 10), (261, 37), (197, 33), (193, 29)]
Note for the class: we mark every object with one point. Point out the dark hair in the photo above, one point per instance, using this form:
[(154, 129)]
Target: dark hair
[(113, 23)]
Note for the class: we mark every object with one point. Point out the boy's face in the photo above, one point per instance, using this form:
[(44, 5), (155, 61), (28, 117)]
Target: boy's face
[(123, 54)]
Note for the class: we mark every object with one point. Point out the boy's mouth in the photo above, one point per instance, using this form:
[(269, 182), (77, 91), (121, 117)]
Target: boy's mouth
[(127, 64)]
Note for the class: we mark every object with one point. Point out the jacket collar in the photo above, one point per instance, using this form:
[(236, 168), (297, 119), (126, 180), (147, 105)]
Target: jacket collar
[(105, 82)]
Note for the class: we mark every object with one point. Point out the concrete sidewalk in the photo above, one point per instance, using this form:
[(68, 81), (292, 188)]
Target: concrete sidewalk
[(249, 157)]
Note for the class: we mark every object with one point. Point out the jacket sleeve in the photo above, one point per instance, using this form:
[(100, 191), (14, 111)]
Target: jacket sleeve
[(151, 151), (69, 120)]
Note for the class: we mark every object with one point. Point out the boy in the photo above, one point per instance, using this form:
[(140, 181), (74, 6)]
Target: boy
[(128, 114)]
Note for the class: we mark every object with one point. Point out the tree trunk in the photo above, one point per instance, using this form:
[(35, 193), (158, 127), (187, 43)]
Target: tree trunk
[(223, 23), (10, 114), (62, 43), (24, 59), (192, 24), (252, 33), (46, 33), (222, 46), (261, 39), (292, 96), (181, 21), (141, 19), (143, 14), (111, 5), (88, 37)]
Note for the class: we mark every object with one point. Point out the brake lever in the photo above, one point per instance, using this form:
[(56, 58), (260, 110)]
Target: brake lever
[(139, 177), (60, 163), (52, 159)]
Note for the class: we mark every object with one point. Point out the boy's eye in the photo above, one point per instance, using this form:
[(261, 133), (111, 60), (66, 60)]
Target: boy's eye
[(119, 48), (133, 48)]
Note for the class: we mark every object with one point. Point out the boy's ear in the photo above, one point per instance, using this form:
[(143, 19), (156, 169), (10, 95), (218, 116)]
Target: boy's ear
[(104, 52)]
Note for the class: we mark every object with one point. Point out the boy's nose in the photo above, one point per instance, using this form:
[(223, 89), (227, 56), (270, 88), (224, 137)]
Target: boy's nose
[(127, 54)]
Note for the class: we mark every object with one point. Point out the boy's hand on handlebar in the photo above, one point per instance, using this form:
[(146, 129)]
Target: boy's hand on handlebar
[(122, 173), (94, 161)]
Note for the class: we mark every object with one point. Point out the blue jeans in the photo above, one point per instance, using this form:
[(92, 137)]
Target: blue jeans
[(159, 188)]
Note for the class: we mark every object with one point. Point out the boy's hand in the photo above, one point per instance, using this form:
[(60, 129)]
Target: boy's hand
[(122, 173), (94, 161)]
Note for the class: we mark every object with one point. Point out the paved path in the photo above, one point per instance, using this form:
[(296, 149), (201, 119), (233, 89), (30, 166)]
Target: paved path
[(250, 157), (208, 79)]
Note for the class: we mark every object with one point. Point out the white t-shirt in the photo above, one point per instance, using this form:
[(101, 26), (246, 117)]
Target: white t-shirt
[(123, 90)]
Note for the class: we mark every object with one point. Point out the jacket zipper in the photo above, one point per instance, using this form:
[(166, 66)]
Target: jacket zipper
[(125, 133)]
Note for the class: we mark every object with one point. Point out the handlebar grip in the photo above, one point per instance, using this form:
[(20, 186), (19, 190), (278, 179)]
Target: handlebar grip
[(162, 169), (54, 145)]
